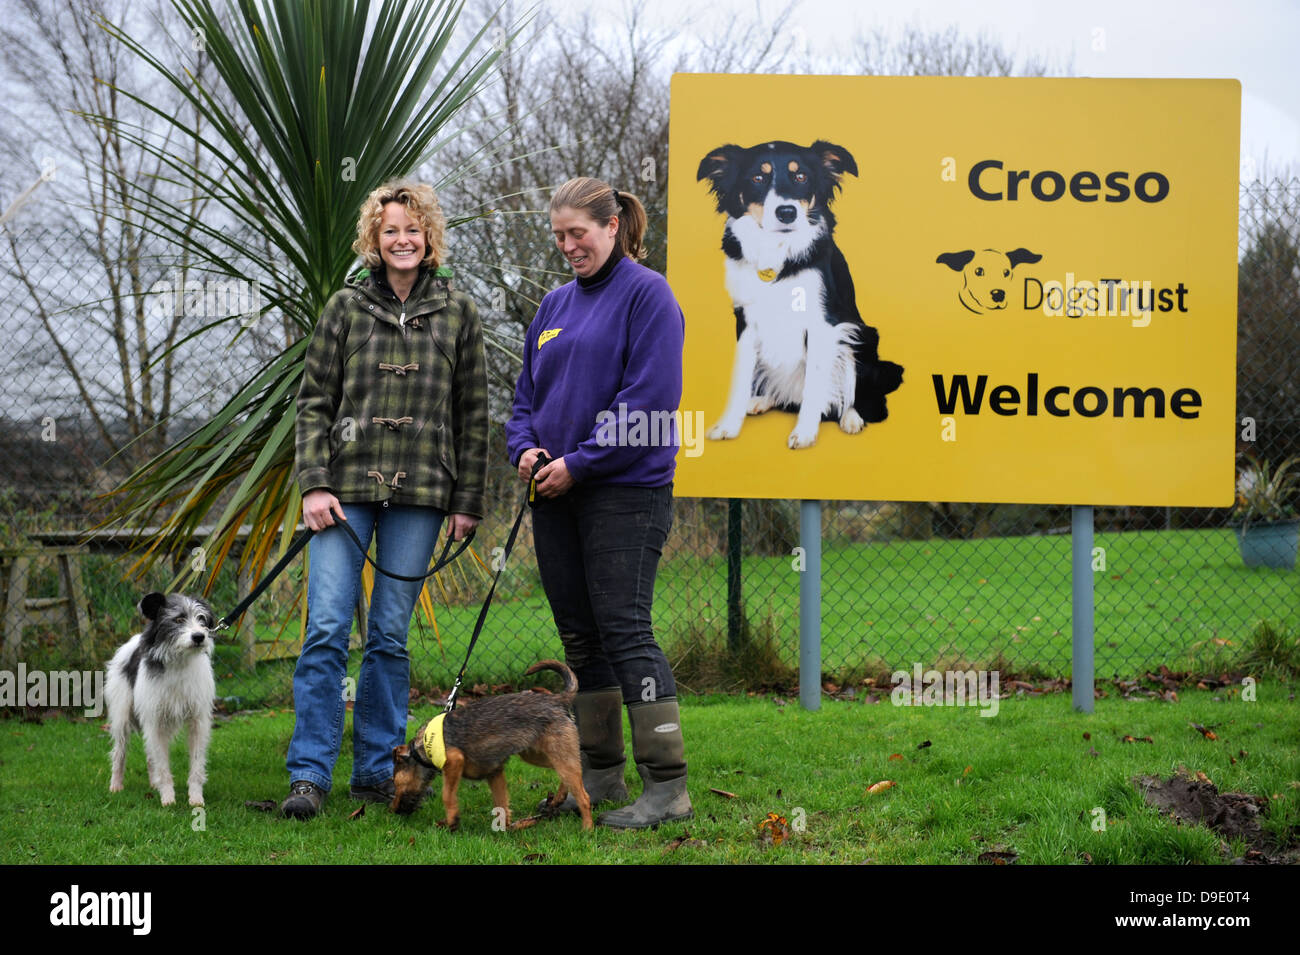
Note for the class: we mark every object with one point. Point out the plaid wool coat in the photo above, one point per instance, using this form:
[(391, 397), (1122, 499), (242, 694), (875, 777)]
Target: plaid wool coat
[(393, 404)]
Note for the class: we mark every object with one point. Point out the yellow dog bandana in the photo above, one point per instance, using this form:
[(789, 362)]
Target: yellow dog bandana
[(434, 747)]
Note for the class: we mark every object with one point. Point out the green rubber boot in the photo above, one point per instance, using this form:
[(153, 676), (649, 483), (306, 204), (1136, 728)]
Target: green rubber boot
[(660, 759), (600, 735)]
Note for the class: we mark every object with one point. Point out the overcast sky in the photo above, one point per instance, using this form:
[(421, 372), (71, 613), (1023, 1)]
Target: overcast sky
[(1254, 41)]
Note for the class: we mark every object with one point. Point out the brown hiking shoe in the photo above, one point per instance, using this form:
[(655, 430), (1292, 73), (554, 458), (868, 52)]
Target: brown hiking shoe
[(305, 799)]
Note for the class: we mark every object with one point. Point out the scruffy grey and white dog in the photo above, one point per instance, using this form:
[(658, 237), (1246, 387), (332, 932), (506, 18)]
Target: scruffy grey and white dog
[(158, 680)]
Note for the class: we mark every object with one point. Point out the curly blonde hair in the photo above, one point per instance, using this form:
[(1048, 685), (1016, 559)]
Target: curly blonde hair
[(421, 205)]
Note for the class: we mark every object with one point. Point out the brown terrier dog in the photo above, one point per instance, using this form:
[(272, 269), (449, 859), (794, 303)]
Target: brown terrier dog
[(474, 741)]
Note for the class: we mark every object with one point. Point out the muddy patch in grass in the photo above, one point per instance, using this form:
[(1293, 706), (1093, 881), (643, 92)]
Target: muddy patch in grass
[(1192, 799)]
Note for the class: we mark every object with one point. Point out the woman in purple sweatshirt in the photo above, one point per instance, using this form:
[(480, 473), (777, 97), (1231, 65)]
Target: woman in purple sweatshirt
[(599, 394)]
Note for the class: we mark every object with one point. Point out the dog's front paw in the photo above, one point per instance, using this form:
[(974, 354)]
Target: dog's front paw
[(115, 786), (802, 437), (196, 799), (758, 404), (851, 422), (722, 431), (167, 797)]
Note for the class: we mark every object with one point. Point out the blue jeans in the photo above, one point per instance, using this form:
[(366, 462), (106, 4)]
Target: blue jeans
[(405, 540), (598, 550)]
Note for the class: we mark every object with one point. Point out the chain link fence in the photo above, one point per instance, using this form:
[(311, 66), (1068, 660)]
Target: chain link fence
[(85, 397)]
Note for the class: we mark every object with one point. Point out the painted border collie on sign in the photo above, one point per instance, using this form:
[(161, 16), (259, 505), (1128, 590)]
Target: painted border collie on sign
[(801, 345)]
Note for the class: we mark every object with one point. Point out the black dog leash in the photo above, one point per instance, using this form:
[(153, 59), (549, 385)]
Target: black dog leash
[(529, 501), (301, 541)]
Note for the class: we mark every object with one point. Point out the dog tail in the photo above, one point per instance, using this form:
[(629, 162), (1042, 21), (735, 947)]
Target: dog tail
[(570, 680)]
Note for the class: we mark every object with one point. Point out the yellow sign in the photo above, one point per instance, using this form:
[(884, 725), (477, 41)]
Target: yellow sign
[(931, 288)]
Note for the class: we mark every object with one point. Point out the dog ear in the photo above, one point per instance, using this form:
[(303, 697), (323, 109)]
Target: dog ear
[(836, 160), (957, 260), (149, 605), (721, 167), (1017, 256)]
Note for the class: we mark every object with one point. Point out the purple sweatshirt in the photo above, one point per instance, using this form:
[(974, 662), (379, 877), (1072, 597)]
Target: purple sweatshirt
[(602, 379)]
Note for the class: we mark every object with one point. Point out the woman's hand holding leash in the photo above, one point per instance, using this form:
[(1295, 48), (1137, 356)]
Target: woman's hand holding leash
[(318, 509), (460, 526), (554, 479), (528, 461)]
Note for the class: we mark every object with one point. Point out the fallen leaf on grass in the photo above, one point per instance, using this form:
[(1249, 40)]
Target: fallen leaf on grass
[(685, 840), (898, 756), (774, 829), (358, 812), (967, 770), (1140, 739), (880, 787), (722, 792), (1087, 736), (1207, 733), (996, 857), (535, 857), (924, 745), (264, 805)]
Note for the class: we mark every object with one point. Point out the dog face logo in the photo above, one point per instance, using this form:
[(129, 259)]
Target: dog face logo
[(985, 276)]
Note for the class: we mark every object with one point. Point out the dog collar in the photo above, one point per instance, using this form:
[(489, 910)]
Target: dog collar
[(766, 275), (434, 747)]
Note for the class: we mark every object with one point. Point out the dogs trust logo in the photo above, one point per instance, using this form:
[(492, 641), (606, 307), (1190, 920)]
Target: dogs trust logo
[(986, 276)]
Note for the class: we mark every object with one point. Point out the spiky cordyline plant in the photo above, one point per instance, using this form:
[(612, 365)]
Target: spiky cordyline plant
[(319, 101)]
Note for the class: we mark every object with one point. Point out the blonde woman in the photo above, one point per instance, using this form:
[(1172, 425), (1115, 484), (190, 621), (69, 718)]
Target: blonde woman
[(392, 438)]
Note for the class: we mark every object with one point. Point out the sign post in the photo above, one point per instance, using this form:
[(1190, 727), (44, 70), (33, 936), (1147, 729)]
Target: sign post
[(1081, 607)]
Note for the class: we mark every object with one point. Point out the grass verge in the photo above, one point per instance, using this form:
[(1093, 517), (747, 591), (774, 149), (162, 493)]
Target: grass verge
[(1025, 784)]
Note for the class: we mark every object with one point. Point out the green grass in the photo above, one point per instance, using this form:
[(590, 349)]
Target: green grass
[(1023, 781)]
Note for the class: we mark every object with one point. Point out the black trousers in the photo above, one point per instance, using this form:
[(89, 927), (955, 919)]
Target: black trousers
[(598, 550)]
